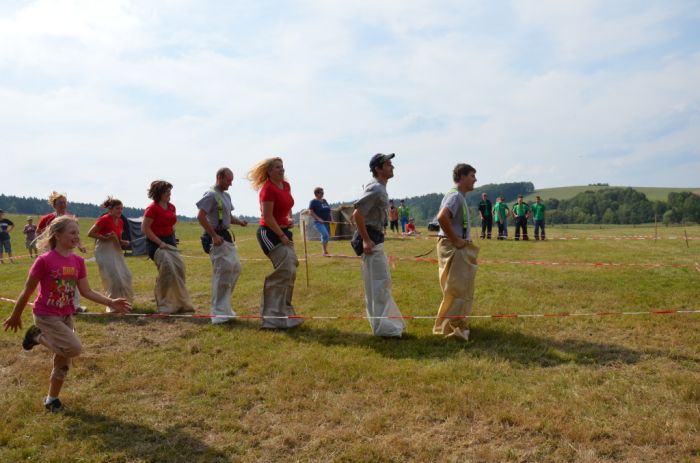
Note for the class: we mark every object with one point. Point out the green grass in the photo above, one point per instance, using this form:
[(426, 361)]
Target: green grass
[(566, 389), (568, 192)]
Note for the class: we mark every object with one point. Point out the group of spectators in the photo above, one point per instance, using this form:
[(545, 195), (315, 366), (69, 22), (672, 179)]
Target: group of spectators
[(520, 212)]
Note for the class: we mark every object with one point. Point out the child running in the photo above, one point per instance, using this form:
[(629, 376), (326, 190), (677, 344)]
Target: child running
[(57, 273)]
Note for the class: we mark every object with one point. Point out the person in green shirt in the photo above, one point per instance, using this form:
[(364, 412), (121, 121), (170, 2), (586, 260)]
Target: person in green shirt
[(538, 218), (404, 215), (521, 212), (500, 216)]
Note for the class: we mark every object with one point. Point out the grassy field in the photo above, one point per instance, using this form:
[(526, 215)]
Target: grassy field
[(568, 192), (589, 389)]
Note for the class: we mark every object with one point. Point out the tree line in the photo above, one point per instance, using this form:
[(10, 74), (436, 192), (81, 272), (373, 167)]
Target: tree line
[(623, 206)]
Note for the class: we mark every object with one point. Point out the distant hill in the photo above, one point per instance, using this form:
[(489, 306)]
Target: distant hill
[(568, 192)]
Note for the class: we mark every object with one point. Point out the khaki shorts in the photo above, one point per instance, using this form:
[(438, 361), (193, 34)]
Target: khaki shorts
[(58, 335)]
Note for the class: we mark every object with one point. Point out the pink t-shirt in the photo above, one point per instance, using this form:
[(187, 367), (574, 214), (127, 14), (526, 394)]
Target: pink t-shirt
[(58, 279)]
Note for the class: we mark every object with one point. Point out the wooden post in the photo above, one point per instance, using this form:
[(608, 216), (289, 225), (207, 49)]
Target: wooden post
[(306, 255), (686, 237), (656, 229)]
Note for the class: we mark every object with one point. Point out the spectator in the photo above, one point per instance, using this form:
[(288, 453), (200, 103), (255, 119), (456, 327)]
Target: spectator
[(320, 210), (521, 212), (30, 238), (6, 226), (486, 214)]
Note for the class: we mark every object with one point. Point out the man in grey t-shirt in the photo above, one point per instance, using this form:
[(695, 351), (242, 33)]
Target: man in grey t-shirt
[(456, 257), (215, 216), (369, 216)]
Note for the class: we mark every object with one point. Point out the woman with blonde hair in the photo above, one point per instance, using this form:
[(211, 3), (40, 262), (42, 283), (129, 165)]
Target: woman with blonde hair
[(107, 232), (275, 239), (158, 225)]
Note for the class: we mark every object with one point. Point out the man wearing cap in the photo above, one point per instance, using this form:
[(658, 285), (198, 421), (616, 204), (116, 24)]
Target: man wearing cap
[(369, 215), (456, 257), (30, 238), (485, 209), (521, 212), (6, 226), (538, 217), (215, 216)]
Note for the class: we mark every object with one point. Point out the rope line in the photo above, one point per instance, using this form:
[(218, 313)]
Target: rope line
[(403, 317)]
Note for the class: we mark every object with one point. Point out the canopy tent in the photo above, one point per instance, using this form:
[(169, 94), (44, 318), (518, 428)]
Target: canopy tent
[(132, 233), (342, 227)]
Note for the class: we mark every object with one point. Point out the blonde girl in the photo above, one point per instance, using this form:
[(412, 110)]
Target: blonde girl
[(275, 239), (58, 273)]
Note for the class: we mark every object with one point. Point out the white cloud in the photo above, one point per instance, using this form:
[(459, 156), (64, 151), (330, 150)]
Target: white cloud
[(102, 97)]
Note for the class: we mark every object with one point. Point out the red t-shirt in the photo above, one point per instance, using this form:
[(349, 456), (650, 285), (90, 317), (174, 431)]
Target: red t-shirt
[(45, 222), (163, 220), (105, 224), (282, 202), (58, 281)]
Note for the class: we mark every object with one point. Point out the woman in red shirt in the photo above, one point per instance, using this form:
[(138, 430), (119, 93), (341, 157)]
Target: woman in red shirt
[(158, 225), (275, 239), (107, 232)]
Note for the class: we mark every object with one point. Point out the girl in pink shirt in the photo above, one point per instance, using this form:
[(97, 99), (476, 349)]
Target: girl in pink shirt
[(58, 273)]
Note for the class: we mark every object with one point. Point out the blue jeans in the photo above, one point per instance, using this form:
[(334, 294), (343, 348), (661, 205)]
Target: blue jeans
[(6, 245), (323, 230)]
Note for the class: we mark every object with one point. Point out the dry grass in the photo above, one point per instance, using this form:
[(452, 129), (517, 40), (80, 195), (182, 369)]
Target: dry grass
[(570, 389)]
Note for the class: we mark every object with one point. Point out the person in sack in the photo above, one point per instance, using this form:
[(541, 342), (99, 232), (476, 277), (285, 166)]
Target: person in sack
[(107, 233), (215, 216), (456, 257), (58, 273), (369, 216), (158, 225), (275, 238)]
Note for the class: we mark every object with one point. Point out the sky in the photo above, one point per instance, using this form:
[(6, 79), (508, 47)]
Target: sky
[(101, 97)]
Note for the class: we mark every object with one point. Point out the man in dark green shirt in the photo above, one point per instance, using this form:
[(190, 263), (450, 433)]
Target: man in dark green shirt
[(521, 212), (486, 216), (538, 217)]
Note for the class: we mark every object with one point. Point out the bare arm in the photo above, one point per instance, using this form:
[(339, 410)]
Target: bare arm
[(14, 321), (271, 223), (202, 219), (148, 231), (444, 217), (119, 305), (367, 243)]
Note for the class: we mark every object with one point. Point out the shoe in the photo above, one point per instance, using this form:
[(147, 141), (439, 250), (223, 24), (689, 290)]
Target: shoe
[(54, 406), (30, 338), (81, 309)]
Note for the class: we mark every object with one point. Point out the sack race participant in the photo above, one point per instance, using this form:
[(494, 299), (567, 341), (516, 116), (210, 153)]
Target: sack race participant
[(30, 238), (275, 240), (58, 273), (369, 215), (215, 216), (158, 225), (107, 232), (456, 257), (59, 202)]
